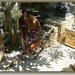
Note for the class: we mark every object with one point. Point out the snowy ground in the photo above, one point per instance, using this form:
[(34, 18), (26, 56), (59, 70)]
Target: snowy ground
[(53, 58)]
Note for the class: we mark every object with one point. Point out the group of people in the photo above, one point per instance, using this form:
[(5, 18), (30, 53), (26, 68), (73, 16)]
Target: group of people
[(29, 27)]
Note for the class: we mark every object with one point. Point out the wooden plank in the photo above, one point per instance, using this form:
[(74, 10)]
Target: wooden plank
[(70, 38)]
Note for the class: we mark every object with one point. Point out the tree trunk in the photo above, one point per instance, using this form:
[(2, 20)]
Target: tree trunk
[(2, 54), (9, 25), (10, 28), (9, 20)]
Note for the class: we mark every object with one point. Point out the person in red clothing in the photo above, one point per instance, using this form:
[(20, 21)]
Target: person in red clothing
[(34, 28), (23, 29)]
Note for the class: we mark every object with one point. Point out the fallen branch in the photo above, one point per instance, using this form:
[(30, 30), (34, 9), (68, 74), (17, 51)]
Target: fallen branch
[(11, 64)]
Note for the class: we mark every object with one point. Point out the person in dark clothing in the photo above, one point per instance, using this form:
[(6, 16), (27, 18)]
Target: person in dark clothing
[(23, 28)]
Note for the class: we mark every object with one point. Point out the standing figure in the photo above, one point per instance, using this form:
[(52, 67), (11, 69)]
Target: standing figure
[(33, 32), (23, 29)]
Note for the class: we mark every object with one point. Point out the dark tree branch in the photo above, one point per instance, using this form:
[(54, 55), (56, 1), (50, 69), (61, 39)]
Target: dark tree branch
[(10, 7), (3, 5)]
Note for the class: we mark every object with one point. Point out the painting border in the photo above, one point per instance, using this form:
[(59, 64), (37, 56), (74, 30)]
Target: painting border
[(37, 73)]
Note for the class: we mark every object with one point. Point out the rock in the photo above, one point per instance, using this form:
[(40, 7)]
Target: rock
[(72, 66)]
